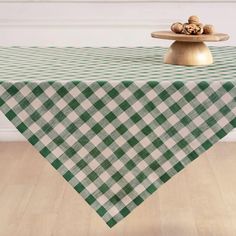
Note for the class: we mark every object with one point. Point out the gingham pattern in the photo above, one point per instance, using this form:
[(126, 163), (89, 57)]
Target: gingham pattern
[(115, 122)]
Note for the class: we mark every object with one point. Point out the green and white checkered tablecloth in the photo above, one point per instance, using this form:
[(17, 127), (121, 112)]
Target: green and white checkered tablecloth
[(117, 123)]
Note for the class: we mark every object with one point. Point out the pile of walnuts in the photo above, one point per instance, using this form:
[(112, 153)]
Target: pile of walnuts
[(193, 27)]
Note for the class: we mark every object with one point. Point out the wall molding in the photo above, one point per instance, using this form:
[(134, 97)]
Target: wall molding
[(117, 1), (109, 12), (231, 137), (31, 22)]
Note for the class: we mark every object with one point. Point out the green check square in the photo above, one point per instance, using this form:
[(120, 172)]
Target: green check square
[(113, 93), (93, 176), (35, 116), (90, 199), (104, 188), (97, 128), (138, 200), (95, 152), (62, 92), (88, 92), (99, 104), (45, 152), (83, 140), (136, 118), (110, 116), (125, 211), (175, 108), (108, 140), (101, 211), (161, 119), (121, 129), (85, 116), (81, 164), (24, 103), (133, 141), (228, 86), (106, 164), (33, 139), (164, 178), (178, 167), (141, 177), (68, 175), (22, 127), (73, 104), (70, 152), (71, 128), (49, 104), (147, 130), (37, 91), (57, 163), (1, 102), (114, 199), (189, 96), (130, 165), (150, 106), (117, 176), (128, 188), (144, 153), (154, 165), (182, 143), (60, 116), (12, 90), (125, 105), (58, 140), (139, 94), (47, 128), (119, 152)]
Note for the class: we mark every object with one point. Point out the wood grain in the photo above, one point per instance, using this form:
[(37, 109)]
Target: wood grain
[(188, 54), (199, 201), (190, 38)]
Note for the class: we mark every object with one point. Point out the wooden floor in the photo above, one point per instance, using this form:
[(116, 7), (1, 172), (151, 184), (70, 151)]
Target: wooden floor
[(36, 201)]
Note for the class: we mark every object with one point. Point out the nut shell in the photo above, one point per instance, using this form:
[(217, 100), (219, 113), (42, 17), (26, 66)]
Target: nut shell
[(208, 29), (193, 20), (177, 27), (200, 25), (190, 29), (199, 29)]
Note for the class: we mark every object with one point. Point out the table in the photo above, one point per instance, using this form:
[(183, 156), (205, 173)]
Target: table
[(117, 123)]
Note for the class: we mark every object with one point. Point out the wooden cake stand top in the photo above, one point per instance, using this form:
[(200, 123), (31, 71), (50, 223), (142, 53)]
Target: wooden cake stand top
[(190, 38)]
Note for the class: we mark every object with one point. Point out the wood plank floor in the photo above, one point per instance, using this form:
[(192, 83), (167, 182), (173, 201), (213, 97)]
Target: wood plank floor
[(36, 201)]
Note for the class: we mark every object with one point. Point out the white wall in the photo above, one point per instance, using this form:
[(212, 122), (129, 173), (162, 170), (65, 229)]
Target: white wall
[(102, 23)]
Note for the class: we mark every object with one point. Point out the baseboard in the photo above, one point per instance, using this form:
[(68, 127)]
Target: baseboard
[(10, 135), (231, 137)]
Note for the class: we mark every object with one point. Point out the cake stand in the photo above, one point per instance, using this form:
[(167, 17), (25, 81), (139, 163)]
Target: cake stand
[(189, 50)]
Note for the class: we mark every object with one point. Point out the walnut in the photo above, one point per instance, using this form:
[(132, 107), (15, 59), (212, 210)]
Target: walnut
[(199, 29), (200, 25), (193, 27), (177, 27), (193, 20), (208, 29), (190, 29)]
